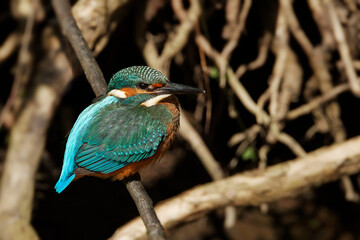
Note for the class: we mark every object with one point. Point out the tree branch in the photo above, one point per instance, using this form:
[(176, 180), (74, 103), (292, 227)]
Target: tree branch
[(145, 206), (344, 50), (98, 84), (317, 101), (255, 187), (82, 51)]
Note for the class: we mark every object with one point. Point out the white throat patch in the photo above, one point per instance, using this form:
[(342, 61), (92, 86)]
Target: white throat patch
[(117, 93), (155, 100)]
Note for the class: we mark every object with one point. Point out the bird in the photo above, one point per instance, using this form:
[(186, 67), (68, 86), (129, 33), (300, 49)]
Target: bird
[(126, 129)]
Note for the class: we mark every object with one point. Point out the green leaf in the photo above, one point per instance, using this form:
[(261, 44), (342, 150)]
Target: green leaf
[(214, 73), (249, 154)]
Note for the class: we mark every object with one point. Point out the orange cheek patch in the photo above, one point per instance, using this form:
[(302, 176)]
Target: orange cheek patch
[(132, 91), (157, 85)]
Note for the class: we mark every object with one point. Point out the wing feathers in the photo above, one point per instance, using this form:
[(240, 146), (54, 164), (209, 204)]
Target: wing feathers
[(119, 136)]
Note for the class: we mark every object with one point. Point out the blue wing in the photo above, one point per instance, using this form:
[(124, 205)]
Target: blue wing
[(119, 136), (108, 135)]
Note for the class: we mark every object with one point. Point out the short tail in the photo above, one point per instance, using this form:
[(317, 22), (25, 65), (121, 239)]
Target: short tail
[(63, 183)]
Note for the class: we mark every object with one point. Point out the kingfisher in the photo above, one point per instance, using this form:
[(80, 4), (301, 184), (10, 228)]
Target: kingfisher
[(125, 130)]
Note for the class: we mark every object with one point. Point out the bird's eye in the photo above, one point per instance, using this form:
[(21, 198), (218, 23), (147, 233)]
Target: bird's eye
[(143, 85)]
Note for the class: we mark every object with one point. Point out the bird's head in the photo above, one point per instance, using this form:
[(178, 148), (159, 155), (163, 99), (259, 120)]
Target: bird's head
[(141, 80)]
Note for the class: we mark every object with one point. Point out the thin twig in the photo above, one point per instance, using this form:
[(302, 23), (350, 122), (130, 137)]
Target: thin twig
[(344, 50), (249, 133), (145, 206), (260, 60), (98, 84), (238, 29), (320, 122), (204, 69), (350, 194), (173, 45), (234, 83), (291, 85), (263, 52), (295, 28), (281, 50), (199, 147), (291, 143), (9, 46), (319, 14), (179, 10), (233, 41), (246, 99), (232, 8), (316, 102)]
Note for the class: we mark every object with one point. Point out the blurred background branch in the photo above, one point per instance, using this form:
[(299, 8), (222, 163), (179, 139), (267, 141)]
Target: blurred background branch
[(254, 187), (28, 138)]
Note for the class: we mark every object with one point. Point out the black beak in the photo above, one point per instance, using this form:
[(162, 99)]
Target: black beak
[(176, 88)]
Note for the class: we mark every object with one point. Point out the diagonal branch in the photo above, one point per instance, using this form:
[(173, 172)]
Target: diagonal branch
[(82, 51), (343, 49), (316, 102), (98, 84), (146, 209), (255, 187)]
